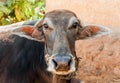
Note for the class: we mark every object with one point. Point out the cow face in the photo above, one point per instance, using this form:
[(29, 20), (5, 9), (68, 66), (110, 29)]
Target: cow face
[(60, 29)]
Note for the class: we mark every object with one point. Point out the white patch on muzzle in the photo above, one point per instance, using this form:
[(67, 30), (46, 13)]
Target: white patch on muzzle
[(51, 67)]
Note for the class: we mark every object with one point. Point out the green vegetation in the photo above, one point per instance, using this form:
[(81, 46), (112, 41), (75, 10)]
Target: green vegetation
[(13, 11)]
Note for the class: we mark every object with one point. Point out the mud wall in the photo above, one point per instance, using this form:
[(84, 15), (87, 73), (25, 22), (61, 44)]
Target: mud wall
[(104, 12), (100, 61)]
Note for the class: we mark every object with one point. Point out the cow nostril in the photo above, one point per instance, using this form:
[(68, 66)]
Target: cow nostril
[(62, 63), (69, 62), (55, 63)]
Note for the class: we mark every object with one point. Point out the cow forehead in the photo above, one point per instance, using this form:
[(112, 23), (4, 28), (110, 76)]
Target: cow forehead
[(59, 17), (63, 21), (60, 13)]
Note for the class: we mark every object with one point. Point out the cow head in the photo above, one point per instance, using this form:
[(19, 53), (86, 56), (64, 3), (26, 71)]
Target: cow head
[(60, 29)]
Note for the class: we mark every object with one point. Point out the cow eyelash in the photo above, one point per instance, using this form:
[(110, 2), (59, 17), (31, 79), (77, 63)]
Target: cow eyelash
[(45, 26), (39, 29), (75, 25)]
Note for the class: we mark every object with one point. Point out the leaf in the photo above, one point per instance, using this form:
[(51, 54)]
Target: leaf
[(4, 10), (1, 14), (9, 2), (1, 4), (17, 13), (26, 11), (4, 21), (18, 10)]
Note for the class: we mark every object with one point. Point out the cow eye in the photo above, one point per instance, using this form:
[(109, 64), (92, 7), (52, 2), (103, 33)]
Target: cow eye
[(39, 29), (45, 26), (75, 25)]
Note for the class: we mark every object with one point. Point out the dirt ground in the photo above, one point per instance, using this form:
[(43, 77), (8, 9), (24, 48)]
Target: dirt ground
[(100, 61)]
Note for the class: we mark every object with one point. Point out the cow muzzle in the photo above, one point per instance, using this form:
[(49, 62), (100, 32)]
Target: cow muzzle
[(61, 64)]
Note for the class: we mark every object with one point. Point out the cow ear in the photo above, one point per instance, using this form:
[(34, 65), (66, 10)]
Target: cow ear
[(35, 31), (29, 32), (88, 31), (32, 32)]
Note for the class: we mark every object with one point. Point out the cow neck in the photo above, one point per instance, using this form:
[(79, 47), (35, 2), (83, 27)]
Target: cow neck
[(56, 79), (46, 50)]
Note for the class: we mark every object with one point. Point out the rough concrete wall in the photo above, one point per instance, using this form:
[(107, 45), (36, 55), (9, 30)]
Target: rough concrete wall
[(104, 12), (100, 61)]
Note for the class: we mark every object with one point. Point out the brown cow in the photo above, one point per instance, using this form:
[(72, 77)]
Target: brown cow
[(59, 29)]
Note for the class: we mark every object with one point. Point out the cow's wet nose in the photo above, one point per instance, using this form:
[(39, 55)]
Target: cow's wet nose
[(62, 62)]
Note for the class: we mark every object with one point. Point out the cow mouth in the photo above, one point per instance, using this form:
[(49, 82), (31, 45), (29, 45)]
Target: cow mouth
[(62, 73), (67, 77)]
